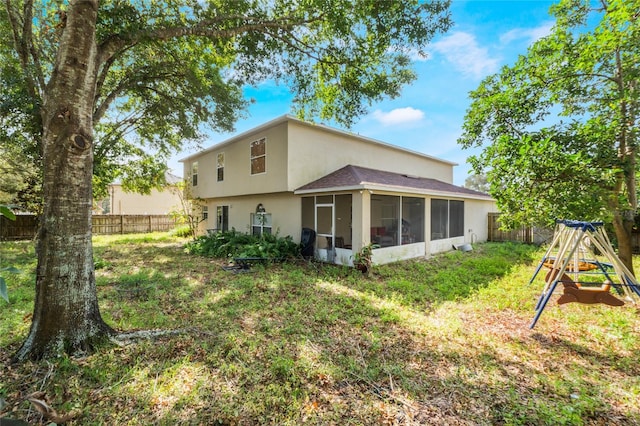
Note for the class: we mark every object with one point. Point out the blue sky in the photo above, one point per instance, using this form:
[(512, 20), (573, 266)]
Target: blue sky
[(429, 114)]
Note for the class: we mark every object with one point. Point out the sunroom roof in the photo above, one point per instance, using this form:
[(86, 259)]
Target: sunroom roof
[(358, 178)]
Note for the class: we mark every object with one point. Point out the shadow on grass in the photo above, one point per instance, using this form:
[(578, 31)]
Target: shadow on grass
[(289, 344)]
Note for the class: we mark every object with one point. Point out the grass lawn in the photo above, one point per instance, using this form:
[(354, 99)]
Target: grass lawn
[(437, 341)]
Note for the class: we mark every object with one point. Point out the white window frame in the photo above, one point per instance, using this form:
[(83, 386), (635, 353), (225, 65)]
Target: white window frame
[(194, 173), (252, 157), (220, 167), (447, 235), (220, 216), (261, 221)]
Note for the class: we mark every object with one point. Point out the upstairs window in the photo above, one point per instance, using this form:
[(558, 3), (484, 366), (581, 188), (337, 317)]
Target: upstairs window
[(259, 156), (194, 173), (221, 167)]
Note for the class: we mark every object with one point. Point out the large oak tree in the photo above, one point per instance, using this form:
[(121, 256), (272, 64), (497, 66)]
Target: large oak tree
[(559, 128), (93, 83)]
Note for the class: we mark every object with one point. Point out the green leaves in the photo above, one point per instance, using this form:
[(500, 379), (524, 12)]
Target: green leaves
[(363, 55), (168, 71), (559, 128), (230, 244), (7, 212), (541, 176)]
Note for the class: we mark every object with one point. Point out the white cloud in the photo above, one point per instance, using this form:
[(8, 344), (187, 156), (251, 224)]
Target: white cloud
[(398, 116), (463, 52), (531, 35)]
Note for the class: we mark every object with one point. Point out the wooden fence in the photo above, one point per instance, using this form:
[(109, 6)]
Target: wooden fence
[(523, 234), (131, 224), (25, 226)]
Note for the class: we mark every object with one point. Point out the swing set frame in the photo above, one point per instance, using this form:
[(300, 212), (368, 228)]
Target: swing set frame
[(572, 256)]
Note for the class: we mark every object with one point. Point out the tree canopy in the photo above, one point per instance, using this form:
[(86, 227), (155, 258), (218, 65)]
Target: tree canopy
[(171, 70), (477, 182), (559, 128)]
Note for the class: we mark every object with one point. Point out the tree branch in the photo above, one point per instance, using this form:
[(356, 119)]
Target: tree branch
[(14, 21), (102, 108), (627, 145), (21, 30), (102, 76), (123, 128), (208, 28), (548, 81), (39, 76)]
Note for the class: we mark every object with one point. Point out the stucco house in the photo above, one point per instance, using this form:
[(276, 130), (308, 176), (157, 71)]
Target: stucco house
[(287, 174), (157, 202)]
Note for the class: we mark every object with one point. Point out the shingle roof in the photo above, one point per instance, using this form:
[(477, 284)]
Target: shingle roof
[(172, 179), (355, 177)]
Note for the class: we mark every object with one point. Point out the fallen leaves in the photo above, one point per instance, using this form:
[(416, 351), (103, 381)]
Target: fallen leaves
[(38, 401)]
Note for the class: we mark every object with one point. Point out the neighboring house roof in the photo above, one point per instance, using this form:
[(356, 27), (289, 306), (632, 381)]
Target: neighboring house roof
[(286, 118), (351, 178), (171, 178)]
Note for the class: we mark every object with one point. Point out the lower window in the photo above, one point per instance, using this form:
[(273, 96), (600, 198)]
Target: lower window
[(260, 223), (447, 219), (222, 221)]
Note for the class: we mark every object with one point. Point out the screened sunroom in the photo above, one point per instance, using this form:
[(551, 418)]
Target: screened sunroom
[(404, 217)]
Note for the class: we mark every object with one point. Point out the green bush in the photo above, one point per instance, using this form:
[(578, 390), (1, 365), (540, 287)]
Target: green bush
[(182, 231), (230, 244)]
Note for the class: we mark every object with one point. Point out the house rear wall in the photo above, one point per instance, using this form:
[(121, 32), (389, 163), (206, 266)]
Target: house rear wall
[(283, 207), (299, 153), (318, 152)]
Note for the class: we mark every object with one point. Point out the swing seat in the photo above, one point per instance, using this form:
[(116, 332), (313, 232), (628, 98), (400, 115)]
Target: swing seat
[(571, 267), (574, 292)]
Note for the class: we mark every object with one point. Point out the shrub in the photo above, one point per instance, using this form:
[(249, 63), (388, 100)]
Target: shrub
[(182, 231), (229, 244)]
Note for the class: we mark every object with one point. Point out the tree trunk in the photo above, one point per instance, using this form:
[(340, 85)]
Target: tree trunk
[(623, 229), (624, 218), (66, 317)]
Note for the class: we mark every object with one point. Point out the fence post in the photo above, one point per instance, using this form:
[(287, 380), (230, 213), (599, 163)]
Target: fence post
[(493, 220), (121, 224)]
